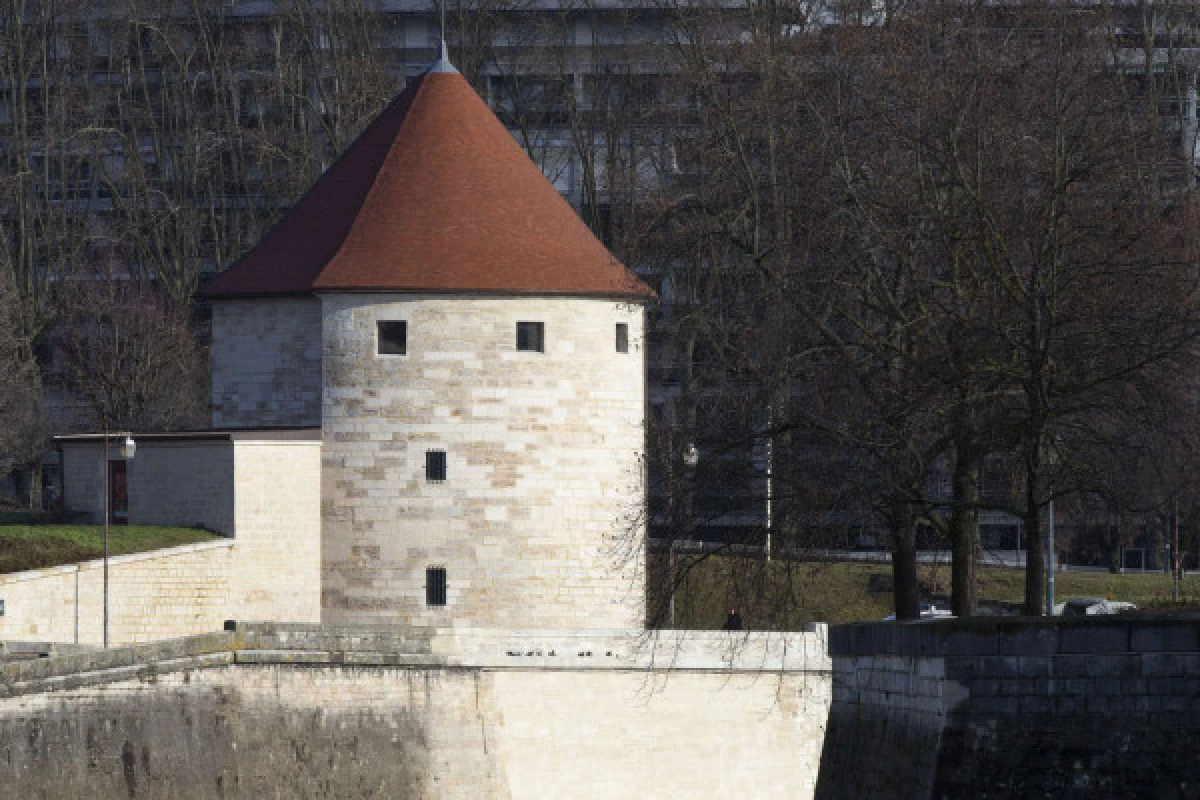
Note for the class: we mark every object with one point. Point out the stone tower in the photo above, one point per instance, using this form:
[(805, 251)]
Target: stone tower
[(474, 358)]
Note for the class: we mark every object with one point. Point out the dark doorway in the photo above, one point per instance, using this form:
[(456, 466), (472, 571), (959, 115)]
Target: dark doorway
[(118, 493)]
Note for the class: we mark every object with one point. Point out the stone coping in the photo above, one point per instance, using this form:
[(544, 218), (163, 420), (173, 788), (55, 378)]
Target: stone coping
[(1032, 636), (415, 647), (113, 561), (308, 433)]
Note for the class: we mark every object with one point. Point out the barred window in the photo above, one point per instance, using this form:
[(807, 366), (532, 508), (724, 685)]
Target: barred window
[(435, 466), (435, 586)]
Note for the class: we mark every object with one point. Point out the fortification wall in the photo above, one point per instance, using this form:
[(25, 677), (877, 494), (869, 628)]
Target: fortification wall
[(263, 489), (161, 594), (1014, 709), (266, 363), (307, 713), (536, 522)]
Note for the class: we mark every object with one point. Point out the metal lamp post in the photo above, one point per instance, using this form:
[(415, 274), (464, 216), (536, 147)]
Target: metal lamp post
[(127, 449), (691, 457), (1052, 461), (1050, 559)]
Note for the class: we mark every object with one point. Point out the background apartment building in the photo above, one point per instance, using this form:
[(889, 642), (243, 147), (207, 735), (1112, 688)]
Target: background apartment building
[(161, 140)]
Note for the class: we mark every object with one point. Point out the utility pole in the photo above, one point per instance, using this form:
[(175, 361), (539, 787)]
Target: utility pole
[(107, 512)]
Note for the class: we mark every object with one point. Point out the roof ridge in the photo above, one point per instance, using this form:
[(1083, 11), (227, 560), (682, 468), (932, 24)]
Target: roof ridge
[(417, 85)]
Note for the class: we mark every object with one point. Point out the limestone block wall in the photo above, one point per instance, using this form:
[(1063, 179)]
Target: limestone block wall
[(266, 363), (537, 522), (165, 593), (277, 511), (355, 713)]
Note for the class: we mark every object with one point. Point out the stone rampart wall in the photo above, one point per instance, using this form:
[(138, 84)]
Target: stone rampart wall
[(269, 711), (1014, 708), (161, 594)]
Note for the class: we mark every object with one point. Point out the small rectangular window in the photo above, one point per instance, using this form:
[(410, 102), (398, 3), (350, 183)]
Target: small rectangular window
[(622, 337), (435, 586), (531, 337), (435, 466), (393, 337)]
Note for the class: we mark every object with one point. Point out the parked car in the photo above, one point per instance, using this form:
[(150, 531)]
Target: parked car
[(928, 611), (1091, 607)]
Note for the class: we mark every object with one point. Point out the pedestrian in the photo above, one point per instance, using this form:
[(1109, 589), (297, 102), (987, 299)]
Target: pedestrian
[(734, 621)]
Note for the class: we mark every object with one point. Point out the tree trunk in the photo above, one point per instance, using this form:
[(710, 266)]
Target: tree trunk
[(35, 485), (1115, 537), (964, 533), (905, 594), (1035, 562)]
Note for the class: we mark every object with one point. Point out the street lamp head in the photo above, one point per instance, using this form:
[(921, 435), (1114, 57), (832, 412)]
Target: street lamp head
[(691, 456), (128, 447)]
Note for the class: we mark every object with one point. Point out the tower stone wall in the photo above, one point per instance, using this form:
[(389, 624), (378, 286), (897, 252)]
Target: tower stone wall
[(538, 521), (266, 363)]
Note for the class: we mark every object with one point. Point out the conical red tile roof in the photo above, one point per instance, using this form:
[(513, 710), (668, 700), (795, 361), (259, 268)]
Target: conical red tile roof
[(436, 196)]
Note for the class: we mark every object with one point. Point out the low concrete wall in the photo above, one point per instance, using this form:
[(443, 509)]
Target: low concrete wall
[(321, 712), (176, 591), (1014, 709)]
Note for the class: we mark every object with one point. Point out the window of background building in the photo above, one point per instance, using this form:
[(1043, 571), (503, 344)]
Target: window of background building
[(435, 586), (531, 337), (393, 337), (622, 337), (435, 466)]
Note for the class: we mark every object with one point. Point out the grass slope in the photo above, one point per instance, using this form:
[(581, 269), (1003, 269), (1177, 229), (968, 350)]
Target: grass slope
[(25, 547), (838, 592)]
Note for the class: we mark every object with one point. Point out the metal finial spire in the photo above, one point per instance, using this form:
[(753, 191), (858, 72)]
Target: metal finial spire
[(443, 61)]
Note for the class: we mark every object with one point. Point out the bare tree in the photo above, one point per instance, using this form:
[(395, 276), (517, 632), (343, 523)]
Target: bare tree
[(22, 425), (131, 355), (1036, 194)]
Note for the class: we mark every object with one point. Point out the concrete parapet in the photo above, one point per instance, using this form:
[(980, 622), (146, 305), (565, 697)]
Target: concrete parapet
[(277, 643), (548, 648)]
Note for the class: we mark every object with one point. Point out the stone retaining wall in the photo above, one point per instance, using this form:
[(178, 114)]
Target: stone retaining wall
[(1015, 708), (175, 591), (300, 711)]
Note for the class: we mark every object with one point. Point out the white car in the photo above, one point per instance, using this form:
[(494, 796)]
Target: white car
[(1091, 607)]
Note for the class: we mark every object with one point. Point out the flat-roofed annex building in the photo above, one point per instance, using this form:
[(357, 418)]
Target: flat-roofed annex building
[(472, 355)]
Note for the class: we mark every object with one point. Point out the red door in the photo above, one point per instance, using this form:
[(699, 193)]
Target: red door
[(118, 493)]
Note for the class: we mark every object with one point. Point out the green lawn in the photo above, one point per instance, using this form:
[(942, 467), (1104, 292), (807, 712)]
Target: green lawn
[(839, 592), (25, 547)]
